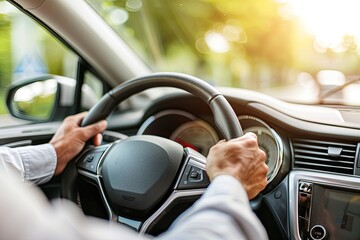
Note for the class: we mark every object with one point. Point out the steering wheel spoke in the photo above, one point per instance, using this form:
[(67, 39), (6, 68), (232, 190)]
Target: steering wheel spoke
[(90, 159), (190, 185), (193, 175)]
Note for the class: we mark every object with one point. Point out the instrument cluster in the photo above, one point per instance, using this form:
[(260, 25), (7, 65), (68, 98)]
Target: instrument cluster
[(190, 131)]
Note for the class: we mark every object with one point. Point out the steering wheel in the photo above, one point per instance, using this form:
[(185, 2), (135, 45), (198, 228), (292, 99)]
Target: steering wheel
[(140, 177)]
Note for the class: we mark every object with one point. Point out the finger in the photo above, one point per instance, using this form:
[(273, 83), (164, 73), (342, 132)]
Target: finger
[(95, 128), (76, 119), (262, 184), (80, 117), (262, 155), (258, 185), (264, 169), (97, 139), (248, 135)]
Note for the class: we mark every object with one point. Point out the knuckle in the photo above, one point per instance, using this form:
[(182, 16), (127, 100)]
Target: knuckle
[(232, 145), (263, 184), (265, 168), (262, 154), (97, 128), (215, 148), (250, 135), (250, 142), (68, 118), (227, 148)]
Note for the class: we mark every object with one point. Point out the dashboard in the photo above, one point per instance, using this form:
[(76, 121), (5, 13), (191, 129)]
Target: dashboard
[(315, 147), (313, 154)]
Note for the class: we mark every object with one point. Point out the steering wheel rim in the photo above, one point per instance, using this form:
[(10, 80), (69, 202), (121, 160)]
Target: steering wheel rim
[(224, 116), (225, 119)]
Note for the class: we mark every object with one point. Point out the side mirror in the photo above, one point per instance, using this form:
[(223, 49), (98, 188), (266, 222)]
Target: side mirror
[(34, 99), (47, 98)]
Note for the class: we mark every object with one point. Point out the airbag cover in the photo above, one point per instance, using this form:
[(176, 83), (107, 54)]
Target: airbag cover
[(138, 172)]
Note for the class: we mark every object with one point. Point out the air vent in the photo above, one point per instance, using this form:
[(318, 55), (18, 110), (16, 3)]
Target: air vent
[(325, 156)]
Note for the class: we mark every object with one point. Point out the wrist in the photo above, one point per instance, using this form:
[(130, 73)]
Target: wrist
[(232, 172), (60, 162)]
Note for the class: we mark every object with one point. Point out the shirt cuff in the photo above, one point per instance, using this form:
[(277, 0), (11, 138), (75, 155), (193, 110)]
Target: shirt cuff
[(39, 162), (227, 185)]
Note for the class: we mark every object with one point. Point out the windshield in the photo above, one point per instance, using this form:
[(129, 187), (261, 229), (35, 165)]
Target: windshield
[(296, 50)]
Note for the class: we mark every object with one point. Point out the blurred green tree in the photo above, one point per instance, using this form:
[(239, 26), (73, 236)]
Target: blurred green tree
[(260, 40), (5, 54)]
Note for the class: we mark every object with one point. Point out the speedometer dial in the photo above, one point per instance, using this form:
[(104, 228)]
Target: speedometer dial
[(268, 144), (268, 140), (197, 135)]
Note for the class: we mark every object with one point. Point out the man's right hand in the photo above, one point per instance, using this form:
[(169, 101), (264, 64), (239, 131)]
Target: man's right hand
[(242, 159)]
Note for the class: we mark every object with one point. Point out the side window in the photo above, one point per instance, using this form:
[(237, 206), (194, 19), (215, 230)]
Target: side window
[(26, 50), (92, 91)]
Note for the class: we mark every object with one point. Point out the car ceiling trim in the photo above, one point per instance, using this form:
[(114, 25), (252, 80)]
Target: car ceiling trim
[(97, 51)]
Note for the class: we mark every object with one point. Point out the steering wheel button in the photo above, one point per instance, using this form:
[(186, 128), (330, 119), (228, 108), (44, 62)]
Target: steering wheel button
[(194, 175), (90, 161), (89, 158)]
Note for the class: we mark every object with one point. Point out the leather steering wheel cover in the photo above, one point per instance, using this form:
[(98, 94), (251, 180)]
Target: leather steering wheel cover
[(224, 116)]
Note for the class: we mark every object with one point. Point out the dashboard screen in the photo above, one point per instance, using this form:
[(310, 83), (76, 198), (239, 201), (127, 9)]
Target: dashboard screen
[(341, 214)]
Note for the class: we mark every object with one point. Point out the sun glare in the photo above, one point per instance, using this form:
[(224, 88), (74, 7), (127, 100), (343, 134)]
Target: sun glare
[(217, 42), (329, 21)]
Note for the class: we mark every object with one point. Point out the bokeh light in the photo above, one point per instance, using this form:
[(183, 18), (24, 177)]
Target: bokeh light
[(330, 21), (133, 5), (118, 16), (217, 42)]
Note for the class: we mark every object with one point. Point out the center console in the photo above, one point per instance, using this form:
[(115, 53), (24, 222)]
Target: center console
[(324, 206)]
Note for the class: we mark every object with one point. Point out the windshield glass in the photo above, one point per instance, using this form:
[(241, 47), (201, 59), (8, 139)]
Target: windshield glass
[(296, 50)]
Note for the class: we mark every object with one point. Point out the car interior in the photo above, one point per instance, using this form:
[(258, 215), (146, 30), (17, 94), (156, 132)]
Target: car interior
[(162, 124)]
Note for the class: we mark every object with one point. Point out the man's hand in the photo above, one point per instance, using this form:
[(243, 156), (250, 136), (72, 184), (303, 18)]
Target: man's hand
[(70, 138), (242, 159)]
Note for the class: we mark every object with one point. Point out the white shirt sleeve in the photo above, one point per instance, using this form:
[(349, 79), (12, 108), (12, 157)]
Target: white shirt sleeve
[(222, 213), (35, 164)]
